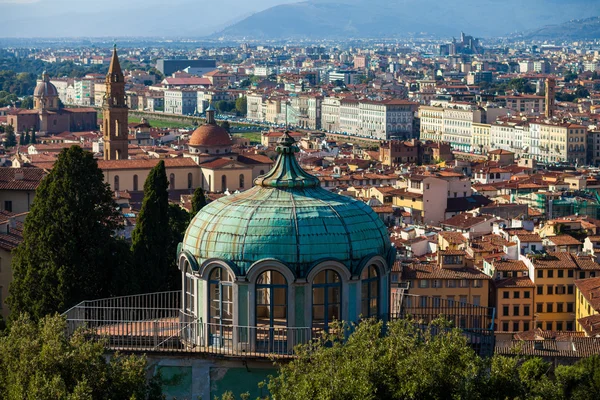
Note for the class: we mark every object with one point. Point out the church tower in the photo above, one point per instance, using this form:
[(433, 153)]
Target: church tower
[(115, 113)]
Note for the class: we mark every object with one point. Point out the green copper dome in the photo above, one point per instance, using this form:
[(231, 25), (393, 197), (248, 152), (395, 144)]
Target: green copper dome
[(287, 216)]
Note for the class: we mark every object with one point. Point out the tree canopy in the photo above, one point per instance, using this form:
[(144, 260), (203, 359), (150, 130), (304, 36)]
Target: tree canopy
[(39, 361), (69, 251), (198, 201), (152, 235), (412, 362)]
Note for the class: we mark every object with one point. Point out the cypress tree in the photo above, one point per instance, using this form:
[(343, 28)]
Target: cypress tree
[(68, 249), (27, 138), (33, 138), (11, 139), (152, 236), (22, 139), (198, 201)]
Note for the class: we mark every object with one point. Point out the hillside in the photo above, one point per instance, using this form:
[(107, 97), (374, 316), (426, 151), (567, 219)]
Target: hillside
[(577, 29), (402, 18)]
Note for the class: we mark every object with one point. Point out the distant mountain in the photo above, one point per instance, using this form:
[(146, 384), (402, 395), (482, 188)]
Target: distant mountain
[(576, 29), (401, 18)]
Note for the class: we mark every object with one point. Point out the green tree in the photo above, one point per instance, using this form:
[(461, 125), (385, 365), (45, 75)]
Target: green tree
[(10, 137), (22, 139), (27, 103), (570, 76), (179, 219), (241, 105), (595, 75), (580, 381), (406, 363), (198, 201), (27, 138), (33, 138), (150, 239), (68, 251), (39, 361), (225, 125)]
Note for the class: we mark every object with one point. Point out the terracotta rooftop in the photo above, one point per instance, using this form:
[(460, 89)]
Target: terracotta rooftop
[(510, 265), (515, 282), (590, 289), (563, 240), (591, 325), (432, 271)]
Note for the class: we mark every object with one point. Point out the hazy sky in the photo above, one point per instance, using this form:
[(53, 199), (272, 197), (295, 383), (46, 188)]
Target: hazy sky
[(55, 18)]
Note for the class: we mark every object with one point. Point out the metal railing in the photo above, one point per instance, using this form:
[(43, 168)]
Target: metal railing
[(156, 323)]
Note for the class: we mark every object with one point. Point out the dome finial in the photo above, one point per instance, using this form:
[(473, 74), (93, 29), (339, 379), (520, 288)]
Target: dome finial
[(287, 173), (210, 114)]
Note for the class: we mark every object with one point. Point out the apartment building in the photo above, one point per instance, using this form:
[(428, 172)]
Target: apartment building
[(255, 106), (84, 92), (587, 306), (454, 123), (449, 278), (561, 142), (330, 114), (378, 119), (523, 103), (480, 141), (514, 292), (181, 101), (554, 274), (432, 123), (510, 134)]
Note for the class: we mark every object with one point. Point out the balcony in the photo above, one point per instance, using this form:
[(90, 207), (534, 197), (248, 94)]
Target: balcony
[(155, 323)]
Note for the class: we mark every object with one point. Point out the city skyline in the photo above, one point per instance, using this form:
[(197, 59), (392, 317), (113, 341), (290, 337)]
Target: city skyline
[(286, 18)]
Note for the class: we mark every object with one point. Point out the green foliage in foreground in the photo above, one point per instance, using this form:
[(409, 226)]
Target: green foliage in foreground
[(38, 361), (409, 363)]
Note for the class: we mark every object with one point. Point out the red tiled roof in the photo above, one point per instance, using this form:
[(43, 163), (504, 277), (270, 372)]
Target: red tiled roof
[(590, 289), (515, 282), (146, 164), (210, 135), (432, 271), (20, 178)]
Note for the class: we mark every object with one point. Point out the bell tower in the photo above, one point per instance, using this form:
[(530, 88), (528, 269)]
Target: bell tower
[(115, 113)]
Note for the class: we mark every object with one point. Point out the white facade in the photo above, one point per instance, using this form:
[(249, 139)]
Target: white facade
[(180, 101)]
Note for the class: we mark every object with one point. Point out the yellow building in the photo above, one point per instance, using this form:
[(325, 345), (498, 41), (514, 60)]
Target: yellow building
[(11, 235), (480, 140), (587, 306), (553, 275), (514, 293)]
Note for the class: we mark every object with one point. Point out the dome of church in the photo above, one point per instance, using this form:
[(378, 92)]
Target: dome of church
[(288, 217), (45, 88), (210, 135)]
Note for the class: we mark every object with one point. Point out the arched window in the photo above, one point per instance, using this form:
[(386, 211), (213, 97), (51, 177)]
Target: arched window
[(118, 154), (220, 298), (190, 180), (370, 292), (326, 299), (117, 128), (241, 181), (116, 185), (189, 291), (135, 183), (271, 300), (171, 181), (223, 183)]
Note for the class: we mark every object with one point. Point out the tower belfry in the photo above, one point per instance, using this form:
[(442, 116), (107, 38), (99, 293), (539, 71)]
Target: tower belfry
[(115, 113)]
